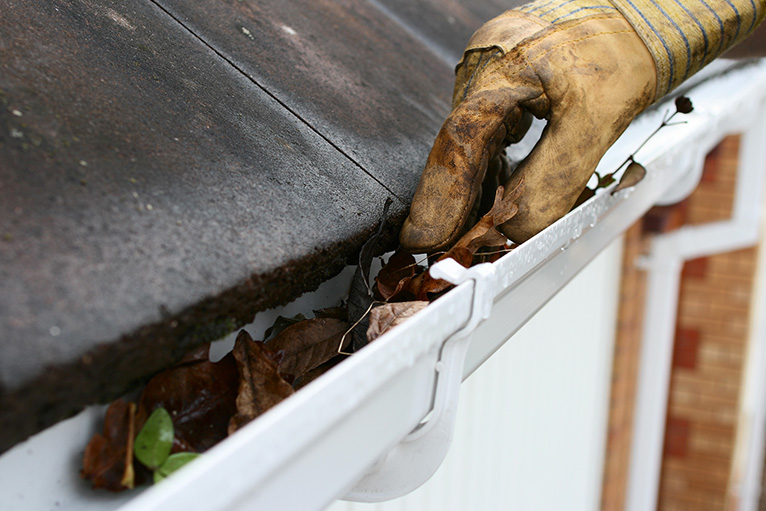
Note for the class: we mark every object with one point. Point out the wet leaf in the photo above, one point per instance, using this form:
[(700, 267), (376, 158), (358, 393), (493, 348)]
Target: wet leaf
[(108, 457), (358, 304), (605, 180), (393, 276), (173, 463), (430, 286), (360, 296), (631, 177), (332, 313), (199, 395), (389, 315), (308, 344), (370, 247), (318, 371), (483, 234), (491, 238), (155, 440), (504, 208), (490, 255), (260, 384), (281, 323), (586, 194)]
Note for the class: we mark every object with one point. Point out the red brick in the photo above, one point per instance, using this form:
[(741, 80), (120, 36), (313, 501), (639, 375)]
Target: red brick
[(710, 170), (676, 436), (686, 348), (695, 268)]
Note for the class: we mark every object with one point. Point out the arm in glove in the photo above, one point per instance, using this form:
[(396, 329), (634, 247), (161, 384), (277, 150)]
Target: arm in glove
[(588, 67)]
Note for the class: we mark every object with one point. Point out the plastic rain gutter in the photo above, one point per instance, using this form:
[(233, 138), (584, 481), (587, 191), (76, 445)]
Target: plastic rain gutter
[(746, 115), (358, 431)]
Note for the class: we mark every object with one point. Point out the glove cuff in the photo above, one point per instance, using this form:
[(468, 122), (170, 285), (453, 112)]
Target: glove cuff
[(562, 11), (530, 19), (683, 36)]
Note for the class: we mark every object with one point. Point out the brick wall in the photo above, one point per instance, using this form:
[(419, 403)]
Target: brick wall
[(708, 353), (708, 361)]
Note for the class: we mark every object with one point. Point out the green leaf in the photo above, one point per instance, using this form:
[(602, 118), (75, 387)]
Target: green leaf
[(605, 180), (173, 463), (154, 441)]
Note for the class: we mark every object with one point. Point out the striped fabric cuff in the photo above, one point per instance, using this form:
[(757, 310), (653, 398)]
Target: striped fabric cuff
[(560, 11), (683, 36)]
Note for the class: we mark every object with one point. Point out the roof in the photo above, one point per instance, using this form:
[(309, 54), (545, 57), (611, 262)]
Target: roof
[(168, 169)]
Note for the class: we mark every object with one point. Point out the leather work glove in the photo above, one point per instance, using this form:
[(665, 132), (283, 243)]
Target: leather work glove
[(588, 67)]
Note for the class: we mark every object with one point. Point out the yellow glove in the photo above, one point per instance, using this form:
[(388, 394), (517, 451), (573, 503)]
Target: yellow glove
[(588, 67)]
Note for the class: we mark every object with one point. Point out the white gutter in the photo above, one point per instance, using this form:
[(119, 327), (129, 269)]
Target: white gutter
[(745, 108), (333, 438)]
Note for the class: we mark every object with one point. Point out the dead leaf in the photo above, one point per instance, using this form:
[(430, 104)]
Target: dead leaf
[(389, 315), (108, 458), (280, 324), (332, 312), (199, 395), (491, 238), (430, 286), (318, 371), (586, 194), (370, 247), (260, 385), (360, 296), (392, 278), (493, 254), (602, 182), (503, 209), (631, 177), (307, 345), (684, 105), (483, 234)]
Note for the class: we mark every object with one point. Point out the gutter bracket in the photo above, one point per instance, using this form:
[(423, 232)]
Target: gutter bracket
[(416, 458)]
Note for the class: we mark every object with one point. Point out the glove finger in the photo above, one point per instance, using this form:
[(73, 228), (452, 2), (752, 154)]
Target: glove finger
[(558, 169), (471, 136)]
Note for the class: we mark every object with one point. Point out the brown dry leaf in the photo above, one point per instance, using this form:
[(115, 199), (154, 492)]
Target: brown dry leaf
[(586, 194), (307, 345), (318, 371), (493, 255), (503, 209), (394, 275), (280, 324), (430, 286), (199, 395), (332, 312), (389, 315), (491, 238), (260, 385), (483, 234), (631, 177), (360, 296), (108, 458)]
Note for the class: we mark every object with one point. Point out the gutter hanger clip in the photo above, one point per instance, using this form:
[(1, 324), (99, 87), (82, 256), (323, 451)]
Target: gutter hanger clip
[(417, 457)]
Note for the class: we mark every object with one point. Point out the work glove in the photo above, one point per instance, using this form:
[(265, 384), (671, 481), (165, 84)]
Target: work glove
[(586, 66)]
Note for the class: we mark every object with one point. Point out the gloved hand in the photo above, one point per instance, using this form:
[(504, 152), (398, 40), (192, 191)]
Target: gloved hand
[(588, 67)]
